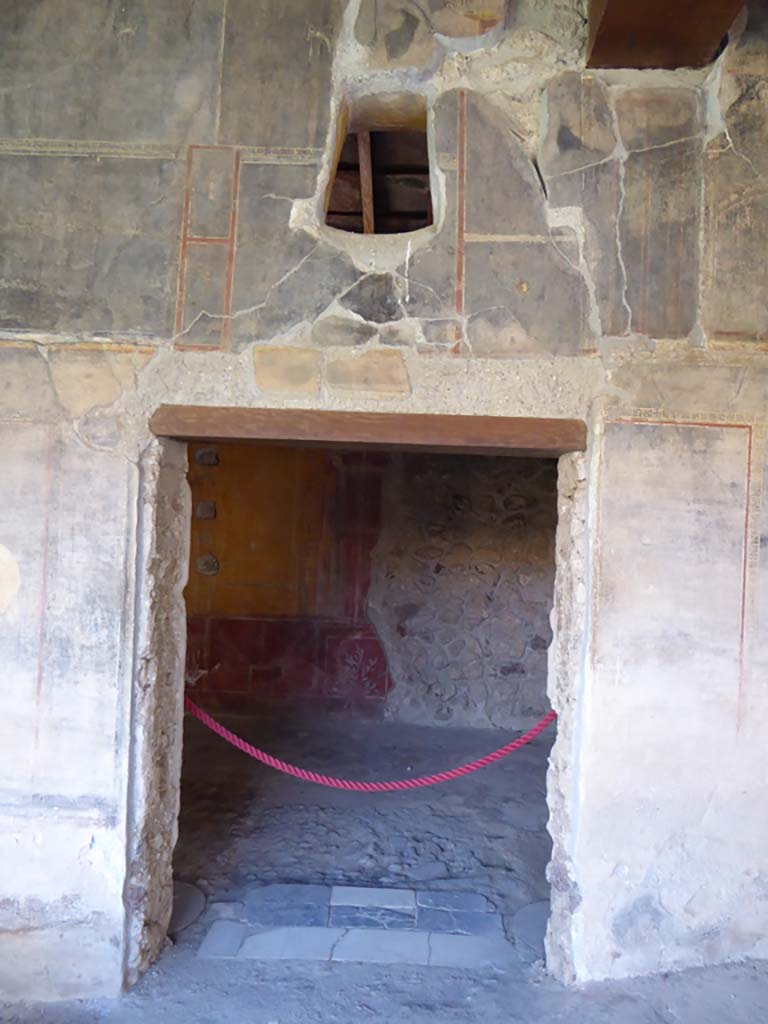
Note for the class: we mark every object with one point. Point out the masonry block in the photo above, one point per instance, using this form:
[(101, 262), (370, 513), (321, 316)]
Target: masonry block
[(579, 124), (382, 371), (294, 370), (657, 117), (524, 298), (659, 231), (401, 34), (503, 193)]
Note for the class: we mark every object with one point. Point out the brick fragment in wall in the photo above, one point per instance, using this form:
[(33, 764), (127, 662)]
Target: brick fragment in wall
[(375, 297), (579, 124), (462, 587), (659, 233), (377, 371), (503, 193), (734, 305), (277, 72), (287, 369), (657, 117), (341, 331), (597, 190), (524, 298)]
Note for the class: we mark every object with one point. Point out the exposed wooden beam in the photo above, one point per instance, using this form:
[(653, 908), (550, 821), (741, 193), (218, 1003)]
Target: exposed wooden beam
[(480, 435), (366, 180), (658, 33)]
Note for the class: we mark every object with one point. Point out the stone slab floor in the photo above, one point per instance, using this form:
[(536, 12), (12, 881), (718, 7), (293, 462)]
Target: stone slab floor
[(480, 840)]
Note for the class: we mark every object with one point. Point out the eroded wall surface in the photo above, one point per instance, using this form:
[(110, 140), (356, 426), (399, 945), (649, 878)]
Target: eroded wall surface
[(597, 253), (463, 576)]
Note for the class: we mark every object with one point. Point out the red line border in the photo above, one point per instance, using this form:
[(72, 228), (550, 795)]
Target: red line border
[(749, 427), (229, 241)]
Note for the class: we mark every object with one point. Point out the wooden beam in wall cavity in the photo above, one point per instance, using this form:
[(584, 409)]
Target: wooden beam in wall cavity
[(479, 435), (657, 33), (366, 180)]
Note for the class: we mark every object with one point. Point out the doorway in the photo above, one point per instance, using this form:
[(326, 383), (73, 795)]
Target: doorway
[(371, 614)]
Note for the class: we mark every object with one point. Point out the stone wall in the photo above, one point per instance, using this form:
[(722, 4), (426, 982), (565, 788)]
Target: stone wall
[(596, 254), (461, 594)]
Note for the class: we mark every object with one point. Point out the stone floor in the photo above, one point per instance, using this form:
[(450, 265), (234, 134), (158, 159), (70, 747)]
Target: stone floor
[(243, 825), (244, 828)]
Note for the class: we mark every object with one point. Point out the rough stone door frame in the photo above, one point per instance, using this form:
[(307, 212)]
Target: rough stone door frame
[(163, 527)]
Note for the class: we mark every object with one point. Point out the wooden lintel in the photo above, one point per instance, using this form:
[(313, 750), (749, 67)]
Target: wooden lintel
[(366, 180), (658, 33), (479, 435)]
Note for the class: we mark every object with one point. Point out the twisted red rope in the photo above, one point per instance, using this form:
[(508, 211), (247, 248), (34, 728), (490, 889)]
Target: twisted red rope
[(365, 787)]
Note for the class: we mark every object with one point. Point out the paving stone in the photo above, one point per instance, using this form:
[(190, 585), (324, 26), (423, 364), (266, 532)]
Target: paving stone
[(291, 944), (459, 922), (453, 901), (224, 911), (529, 927), (224, 939), (267, 901), (468, 951), (361, 896), (379, 946), (371, 917)]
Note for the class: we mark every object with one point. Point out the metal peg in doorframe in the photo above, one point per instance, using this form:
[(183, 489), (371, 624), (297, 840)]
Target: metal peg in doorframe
[(207, 565), (205, 510), (207, 457)]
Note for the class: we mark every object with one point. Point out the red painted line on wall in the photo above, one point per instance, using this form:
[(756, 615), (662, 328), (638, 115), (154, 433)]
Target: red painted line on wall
[(745, 540), (229, 281), (180, 282), (201, 240), (461, 175), (227, 240)]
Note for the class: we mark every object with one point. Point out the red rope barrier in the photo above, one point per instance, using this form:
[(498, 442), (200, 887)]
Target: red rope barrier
[(365, 787)]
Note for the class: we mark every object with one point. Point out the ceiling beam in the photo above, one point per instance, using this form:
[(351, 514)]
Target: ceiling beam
[(658, 33)]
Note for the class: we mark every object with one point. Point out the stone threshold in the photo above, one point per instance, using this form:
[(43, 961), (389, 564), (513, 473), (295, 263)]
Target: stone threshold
[(351, 924)]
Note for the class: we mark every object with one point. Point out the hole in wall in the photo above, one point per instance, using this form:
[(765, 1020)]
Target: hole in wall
[(380, 183)]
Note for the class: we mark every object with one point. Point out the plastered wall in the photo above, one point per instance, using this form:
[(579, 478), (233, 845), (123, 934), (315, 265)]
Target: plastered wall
[(597, 253)]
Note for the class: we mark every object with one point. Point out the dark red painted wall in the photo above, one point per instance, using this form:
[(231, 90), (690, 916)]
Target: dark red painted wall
[(325, 650)]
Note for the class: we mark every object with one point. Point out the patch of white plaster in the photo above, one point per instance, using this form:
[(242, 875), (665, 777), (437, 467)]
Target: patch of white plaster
[(10, 579)]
